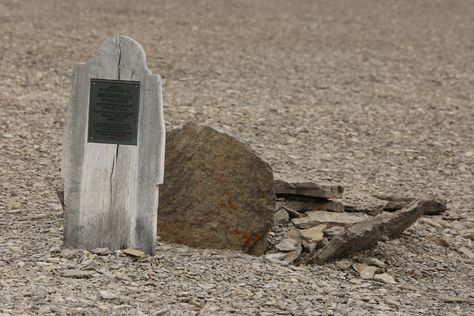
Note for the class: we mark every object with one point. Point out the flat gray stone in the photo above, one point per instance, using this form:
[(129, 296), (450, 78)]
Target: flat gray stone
[(359, 203), (286, 245), (328, 191), (101, 251), (344, 264), (315, 205), (217, 192), (322, 217), (134, 252), (107, 295), (365, 271), (281, 217), (77, 274), (314, 234), (385, 278), (276, 258)]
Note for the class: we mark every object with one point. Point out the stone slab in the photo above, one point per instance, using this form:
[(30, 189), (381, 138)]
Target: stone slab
[(322, 217), (394, 203), (311, 189)]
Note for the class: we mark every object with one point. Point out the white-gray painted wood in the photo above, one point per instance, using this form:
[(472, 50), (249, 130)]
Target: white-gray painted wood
[(111, 191)]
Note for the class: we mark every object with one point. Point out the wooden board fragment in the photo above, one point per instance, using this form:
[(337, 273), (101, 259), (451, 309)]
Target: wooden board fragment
[(366, 233)]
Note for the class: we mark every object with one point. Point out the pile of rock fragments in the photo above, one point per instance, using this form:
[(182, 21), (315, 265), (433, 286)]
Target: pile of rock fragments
[(314, 224), (218, 193)]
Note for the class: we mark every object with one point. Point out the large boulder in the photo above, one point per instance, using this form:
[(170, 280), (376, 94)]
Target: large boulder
[(217, 193)]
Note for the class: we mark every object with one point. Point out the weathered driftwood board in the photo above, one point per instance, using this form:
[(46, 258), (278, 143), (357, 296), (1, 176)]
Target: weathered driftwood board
[(111, 190)]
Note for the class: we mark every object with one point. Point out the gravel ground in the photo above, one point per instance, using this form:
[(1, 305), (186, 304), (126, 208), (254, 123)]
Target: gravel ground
[(377, 95)]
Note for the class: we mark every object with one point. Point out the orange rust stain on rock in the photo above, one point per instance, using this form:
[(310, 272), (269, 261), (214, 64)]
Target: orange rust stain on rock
[(232, 205), (257, 236), (246, 236), (249, 238)]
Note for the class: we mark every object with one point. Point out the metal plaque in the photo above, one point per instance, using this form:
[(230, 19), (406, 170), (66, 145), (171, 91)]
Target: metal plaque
[(113, 111)]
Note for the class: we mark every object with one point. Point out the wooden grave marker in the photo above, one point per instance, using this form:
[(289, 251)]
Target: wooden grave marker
[(113, 150)]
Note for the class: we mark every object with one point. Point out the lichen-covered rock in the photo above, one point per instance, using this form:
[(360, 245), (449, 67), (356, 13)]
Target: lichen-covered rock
[(217, 193)]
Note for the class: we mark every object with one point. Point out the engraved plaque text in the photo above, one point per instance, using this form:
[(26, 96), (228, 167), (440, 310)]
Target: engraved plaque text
[(113, 111)]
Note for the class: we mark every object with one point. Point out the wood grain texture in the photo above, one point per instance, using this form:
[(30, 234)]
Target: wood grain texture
[(111, 191)]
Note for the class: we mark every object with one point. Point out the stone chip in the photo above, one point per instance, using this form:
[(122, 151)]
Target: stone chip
[(134, 252), (286, 245), (314, 234), (365, 271), (107, 295), (385, 278)]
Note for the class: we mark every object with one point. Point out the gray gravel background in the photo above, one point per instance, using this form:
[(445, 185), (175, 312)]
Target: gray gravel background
[(377, 95)]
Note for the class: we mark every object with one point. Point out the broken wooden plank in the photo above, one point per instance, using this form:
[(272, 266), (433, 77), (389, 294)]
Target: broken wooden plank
[(366, 233)]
